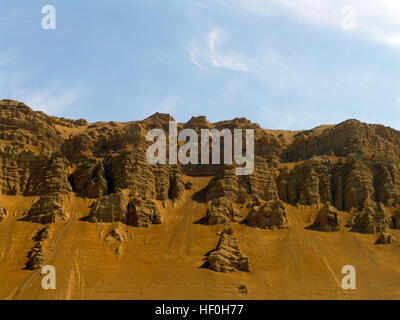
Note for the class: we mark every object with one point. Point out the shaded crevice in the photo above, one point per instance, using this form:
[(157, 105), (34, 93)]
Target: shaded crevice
[(108, 176), (71, 182)]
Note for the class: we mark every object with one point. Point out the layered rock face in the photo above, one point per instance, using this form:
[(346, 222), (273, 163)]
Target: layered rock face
[(28, 174), (142, 213), (48, 209), (227, 256), (347, 183), (352, 165), (373, 218), (375, 142), (271, 215), (239, 188), (3, 213), (118, 207), (128, 170), (221, 211), (89, 179), (35, 256), (328, 219), (23, 129), (110, 208)]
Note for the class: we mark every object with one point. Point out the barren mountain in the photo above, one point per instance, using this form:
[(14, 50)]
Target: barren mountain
[(81, 196)]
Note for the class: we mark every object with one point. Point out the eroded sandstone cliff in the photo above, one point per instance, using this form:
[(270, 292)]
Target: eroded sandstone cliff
[(348, 172)]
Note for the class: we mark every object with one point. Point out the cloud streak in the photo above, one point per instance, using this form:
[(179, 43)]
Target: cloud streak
[(376, 20), (50, 100), (210, 53), (16, 84)]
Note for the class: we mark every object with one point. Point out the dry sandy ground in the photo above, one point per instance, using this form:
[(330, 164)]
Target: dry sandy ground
[(165, 261)]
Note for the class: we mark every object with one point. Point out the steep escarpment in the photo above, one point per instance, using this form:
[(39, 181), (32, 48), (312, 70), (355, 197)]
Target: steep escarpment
[(347, 183), (23, 129), (82, 197), (94, 160), (239, 188), (27, 174), (372, 218), (121, 207), (376, 142)]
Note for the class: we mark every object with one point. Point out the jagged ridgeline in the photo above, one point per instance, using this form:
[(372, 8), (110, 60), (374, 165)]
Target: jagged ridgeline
[(351, 166)]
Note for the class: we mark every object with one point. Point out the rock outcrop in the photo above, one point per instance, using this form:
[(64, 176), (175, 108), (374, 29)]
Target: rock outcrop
[(308, 183), (48, 209), (358, 186), (24, 129), (346, 183), (35, 256), (142, 213), (372, 218), (3, 213), (130, 170), (42, 235), (385, 238), (351, 136), (271, 215), (189, 185), (110, 208), (114, 240), (89, 179), (239, 188), (117, 207), (327, 220), (351, 166), (396, 220), (227, 256), (28, 174), (221, 211)]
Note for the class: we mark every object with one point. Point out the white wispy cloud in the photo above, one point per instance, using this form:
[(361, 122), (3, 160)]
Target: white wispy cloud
[(210, 52), (376, 20), (16, 83), (50, 100)]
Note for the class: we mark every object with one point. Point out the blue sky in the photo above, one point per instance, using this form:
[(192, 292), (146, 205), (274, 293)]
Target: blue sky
[(283, 64)]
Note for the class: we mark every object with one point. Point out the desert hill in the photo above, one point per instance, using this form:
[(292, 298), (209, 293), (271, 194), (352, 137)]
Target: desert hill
[(82, 197)]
